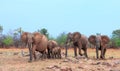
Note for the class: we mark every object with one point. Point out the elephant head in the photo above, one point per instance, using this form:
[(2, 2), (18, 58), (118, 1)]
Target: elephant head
[(24, 37), (27, 38), (69, 38), (76, 37), (100, 42)]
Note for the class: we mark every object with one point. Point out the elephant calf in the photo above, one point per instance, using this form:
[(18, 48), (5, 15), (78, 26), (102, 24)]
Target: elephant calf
[(51, 44), (56, 52)]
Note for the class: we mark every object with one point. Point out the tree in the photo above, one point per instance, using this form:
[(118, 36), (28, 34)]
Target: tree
[(61, 39), (44, 32), (115, 40), (8, 41), (18, 30), (116, 33), (1, 36), (1, 29)]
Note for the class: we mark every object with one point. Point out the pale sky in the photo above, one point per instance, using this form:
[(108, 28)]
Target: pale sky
[(57, 16)]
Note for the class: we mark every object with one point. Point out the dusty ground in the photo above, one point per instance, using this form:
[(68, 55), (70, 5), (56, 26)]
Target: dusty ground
[(13, 60)]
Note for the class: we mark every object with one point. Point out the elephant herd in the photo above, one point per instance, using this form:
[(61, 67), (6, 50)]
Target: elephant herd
[(51, 49)]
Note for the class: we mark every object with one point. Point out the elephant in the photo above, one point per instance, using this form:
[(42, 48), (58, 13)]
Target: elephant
[(50, 46), (78, 40), (35, 42), (56, 52), (101, 43)]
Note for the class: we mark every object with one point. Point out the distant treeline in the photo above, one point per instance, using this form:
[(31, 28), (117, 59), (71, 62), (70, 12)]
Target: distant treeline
[(12, 38)]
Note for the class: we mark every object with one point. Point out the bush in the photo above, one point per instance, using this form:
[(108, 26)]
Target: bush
[(61, 39), (8, 41)]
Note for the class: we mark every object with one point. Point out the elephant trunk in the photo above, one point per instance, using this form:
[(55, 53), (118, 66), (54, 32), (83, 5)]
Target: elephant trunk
[(30, 51)]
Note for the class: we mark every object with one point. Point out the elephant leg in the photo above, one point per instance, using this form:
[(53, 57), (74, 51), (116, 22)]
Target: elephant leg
[(102, 53), (48, 53), (60, 56), (44, 55), (97, 52), (54, 55), (66, 48), (30, 53), (85, 52), (75, 51), (33, 50), (80, 51)]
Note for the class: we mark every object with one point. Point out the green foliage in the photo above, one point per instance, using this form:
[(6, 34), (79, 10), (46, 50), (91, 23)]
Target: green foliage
[(116, 33), (8, 40), (18, 31), (51, 38), (61, 39), (44, 32), (115, 40), (1, 29)]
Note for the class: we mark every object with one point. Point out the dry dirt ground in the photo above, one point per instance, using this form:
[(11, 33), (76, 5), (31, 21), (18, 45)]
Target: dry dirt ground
[(17, 60)]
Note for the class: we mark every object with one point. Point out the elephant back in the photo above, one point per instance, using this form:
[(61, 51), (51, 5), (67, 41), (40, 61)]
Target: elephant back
[(37, 37), (52, 44), (84, 39)]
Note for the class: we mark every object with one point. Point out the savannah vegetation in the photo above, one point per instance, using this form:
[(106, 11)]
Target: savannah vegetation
[(12, 37)]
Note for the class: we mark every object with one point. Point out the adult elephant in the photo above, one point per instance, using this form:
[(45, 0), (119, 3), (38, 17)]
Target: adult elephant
[(79, 41), (101, 43), (35, 42), (51, 44)]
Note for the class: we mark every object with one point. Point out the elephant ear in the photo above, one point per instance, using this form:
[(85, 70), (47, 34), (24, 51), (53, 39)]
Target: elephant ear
[(76, 35), (91, 39), (105, 39)]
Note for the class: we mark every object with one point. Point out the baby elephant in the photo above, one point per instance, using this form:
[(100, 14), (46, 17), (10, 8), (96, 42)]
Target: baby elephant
[(56, 52)]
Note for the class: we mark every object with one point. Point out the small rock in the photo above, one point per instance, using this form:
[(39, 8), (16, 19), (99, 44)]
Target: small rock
[(114, 70), (66, 60), (111, 57), (49, 67), (56, 66), (117, 62), (96, 63), (80, 67), (16, 53), (105, 63), (66, 69)]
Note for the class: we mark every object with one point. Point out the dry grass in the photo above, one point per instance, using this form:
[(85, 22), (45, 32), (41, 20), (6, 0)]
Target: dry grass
[(12, 60)]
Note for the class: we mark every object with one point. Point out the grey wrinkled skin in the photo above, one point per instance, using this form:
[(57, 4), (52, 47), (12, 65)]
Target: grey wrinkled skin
[(78, 41), (101, 43)]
